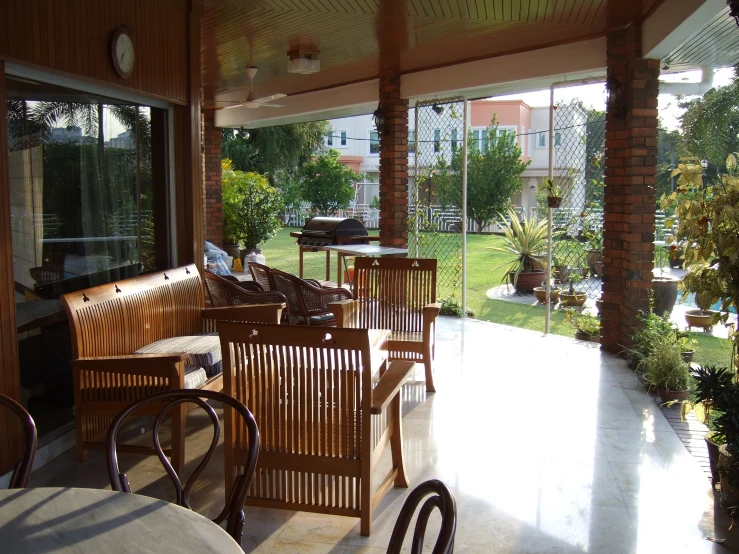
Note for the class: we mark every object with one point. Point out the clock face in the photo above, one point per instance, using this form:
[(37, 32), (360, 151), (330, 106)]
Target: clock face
[(123, 54)]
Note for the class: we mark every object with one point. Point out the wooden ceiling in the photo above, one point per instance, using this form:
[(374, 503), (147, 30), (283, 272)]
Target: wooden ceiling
[(412, 35), (716, 44)]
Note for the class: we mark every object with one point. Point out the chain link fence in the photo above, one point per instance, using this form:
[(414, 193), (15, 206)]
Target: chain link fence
[(435, 231), (578, 170)]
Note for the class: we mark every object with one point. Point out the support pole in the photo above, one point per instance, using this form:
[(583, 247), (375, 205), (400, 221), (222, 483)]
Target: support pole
[(464, 210), (548, 284)]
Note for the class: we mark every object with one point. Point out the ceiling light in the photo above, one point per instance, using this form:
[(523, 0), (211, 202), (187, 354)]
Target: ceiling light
[(303, 63)]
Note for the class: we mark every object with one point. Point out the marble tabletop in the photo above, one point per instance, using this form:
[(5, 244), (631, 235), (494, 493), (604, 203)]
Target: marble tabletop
[(67, 520)]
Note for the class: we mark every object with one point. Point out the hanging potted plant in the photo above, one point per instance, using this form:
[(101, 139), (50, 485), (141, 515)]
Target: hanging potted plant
[(555, 196), (526, 241), (574, 298), (251, 211)]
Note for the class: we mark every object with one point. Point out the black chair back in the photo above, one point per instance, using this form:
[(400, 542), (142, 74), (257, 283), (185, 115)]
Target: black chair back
[(234, 508), (22, 470), (441, 498)]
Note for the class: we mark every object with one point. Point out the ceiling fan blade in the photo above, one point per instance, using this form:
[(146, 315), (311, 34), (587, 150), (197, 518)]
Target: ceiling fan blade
[(233, 106), (270, 98), (273, 105)]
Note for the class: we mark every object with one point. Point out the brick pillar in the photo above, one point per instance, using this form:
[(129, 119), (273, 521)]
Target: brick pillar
[(393, 165), (212, 193), (630, 199)]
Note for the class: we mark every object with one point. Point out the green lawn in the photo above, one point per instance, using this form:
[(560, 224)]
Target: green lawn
[(282, 252)]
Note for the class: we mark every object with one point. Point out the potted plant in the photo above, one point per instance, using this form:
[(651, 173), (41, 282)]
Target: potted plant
[(686, 343), (708, 230), (574, 298), (703, 317), (594, 249), (541, 293), (707, 400), (587, 327), (554, 193), (230, 222), (526, 241), (664, 369), (251, 211)]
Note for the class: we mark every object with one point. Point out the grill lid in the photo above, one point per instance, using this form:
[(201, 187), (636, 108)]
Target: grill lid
[(322, 231)]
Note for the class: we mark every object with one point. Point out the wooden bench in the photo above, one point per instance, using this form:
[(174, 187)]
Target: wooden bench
[(109, 323)]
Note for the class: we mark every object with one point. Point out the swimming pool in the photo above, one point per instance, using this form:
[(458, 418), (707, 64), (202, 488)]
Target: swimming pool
[(690, 301)]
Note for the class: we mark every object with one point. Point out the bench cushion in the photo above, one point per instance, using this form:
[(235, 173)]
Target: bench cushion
[(204, 351), (194, 376)]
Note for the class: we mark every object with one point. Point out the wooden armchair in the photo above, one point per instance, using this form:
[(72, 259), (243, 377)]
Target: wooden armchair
[(309, 304), (220, 293), (399, 293), (116, 329), (323, 416)]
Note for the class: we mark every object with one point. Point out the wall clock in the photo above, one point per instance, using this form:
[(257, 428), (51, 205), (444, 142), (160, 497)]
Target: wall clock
[(122, 52)]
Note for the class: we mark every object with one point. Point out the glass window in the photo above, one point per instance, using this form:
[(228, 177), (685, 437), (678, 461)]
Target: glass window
[(412, 142), (374, 144), (85, 193), (454, 140), (484, 140), (541, 139), (475, 140), (330, 140), (557, 139), (437, 140), (343, 139)]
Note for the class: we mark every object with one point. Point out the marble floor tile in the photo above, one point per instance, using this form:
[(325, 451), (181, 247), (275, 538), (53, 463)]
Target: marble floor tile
[(550, 446)]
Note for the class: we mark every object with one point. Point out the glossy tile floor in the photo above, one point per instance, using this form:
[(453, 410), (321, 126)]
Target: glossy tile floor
[(549, 445)]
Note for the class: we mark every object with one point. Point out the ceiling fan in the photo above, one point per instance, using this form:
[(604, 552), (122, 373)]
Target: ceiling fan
[(252, 102)]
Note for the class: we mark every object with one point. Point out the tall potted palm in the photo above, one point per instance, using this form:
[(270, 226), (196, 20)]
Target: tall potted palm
[(526, 241)]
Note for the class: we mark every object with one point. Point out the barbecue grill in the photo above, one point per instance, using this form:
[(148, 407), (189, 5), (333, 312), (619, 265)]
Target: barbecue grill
[(325, 231)]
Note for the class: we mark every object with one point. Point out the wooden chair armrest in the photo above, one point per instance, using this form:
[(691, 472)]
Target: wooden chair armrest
[(155, 365), (430, 311), (345, 312), (258, 313), (390, 384)]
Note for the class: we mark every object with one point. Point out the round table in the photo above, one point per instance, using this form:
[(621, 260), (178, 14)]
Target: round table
[(66, 520)]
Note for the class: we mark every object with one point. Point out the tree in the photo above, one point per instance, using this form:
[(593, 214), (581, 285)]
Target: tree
[(667, 158), (327, 184), (268, 150), (710, 126), (493, 176)]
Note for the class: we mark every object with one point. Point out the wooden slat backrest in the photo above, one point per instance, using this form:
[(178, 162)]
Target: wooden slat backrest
[(119, 318), (395, 290), (310, 397)]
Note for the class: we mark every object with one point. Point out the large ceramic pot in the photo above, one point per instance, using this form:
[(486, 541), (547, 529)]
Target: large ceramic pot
[(541, 295), (665, 295), (713, 456), (576, 300), (672, 395), (253, 255), (593, 257), (729, 492), (232, 250), (700, 318), (599, 268), (584, 336), (687, 356), (527, 280)]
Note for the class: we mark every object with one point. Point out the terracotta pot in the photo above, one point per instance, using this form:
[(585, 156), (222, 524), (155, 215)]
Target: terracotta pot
[(584, 336), (713, 456), (665, 294), (598, 268), (576, 300), (527, 280), (541, 295), (554, 201), (672, 395), (687, 356), (700, 318)]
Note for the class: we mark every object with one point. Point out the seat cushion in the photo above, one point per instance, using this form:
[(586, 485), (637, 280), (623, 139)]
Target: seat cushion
[(194, 376), (204, 351)]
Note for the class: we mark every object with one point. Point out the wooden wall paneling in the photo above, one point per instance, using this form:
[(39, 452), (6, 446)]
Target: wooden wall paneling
[(9, 373)]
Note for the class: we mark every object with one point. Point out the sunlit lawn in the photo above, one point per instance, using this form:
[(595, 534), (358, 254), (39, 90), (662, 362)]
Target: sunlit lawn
[(282, 252)]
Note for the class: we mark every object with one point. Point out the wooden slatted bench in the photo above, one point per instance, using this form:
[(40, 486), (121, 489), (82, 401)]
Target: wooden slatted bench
[(109, 323)]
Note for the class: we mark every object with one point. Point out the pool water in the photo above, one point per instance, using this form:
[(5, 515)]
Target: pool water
[(690, 301)]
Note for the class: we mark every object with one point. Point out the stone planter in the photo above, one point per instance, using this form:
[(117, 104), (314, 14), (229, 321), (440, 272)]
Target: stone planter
[(700, 318), (584, 336), (541, 295), (672, 395), (713, 457), (665, 295), (593, 257), (527, 280), (599, 268), (576, 300)]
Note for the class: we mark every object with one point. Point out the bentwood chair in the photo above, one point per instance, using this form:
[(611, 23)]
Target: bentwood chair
[(233, 511), (22, 470), (439, 497), (220, 293), (308, 303), (261, 274)]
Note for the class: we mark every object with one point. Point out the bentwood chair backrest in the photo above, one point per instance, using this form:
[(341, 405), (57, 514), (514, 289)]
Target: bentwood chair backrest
[(440, 497), (233, 511), (261, 274), (22, 470)]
